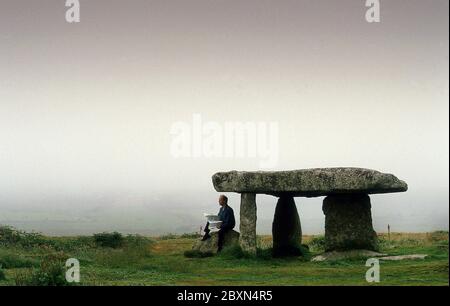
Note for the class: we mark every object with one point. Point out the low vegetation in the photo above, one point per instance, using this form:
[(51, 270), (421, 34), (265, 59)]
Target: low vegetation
[(117, 259)]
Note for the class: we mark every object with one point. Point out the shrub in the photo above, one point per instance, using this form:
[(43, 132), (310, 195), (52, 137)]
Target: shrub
[(110, 240), (8, 235), (11, 236), (51, 272), (9, 261), (70, 244)]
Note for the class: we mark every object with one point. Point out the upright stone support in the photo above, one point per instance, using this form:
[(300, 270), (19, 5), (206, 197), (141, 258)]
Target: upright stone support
[(286, 228), (247, 239), (348, 223), (347, 208)]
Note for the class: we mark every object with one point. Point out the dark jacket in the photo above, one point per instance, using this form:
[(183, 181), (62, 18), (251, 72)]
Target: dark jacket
[(226, 215)]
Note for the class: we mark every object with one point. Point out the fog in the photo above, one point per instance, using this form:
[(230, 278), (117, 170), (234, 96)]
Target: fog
[(86, 109)]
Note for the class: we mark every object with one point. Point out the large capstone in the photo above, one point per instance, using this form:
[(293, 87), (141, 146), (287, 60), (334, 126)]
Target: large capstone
[(309, 182), (348, 223), (211, 245), (247, 240), (286, 228)]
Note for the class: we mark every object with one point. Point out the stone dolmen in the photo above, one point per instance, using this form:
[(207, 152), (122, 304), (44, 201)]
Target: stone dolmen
[(347, 207)]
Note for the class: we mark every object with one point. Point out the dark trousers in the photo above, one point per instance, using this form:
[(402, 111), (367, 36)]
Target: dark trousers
[(222, 233)]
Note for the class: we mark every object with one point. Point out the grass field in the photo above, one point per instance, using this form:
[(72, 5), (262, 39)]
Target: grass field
[(32, 259)]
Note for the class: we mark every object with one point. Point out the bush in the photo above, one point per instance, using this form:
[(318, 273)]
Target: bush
[(51, 272), (9, 261), (11, 236), (70, 244), (8, 235), (110, 240)]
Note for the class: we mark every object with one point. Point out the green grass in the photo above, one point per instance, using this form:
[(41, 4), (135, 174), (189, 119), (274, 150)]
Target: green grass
[(162, 261)]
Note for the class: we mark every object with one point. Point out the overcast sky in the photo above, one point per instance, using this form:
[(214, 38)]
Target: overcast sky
[(86, 109)]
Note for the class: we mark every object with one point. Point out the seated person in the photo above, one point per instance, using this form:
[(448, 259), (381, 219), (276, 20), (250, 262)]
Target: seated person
[(226, 215)]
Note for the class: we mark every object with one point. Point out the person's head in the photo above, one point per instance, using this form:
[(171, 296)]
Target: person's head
[(223, 200)]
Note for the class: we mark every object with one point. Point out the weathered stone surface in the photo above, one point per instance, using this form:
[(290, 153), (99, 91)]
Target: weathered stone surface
[(309, 182), (286, 228), (351, 254), (405, 257), (348, 223), (247, 240), (211, 245)]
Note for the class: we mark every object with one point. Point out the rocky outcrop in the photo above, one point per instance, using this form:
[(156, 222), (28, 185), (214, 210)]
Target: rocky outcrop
[(345, 255), (404, 257), (309, 182), (210, 246), (358, 254)]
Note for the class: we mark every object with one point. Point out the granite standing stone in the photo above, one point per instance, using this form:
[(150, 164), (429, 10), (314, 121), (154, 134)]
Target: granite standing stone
[(286, 228), (348, 223), (247, 239)]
